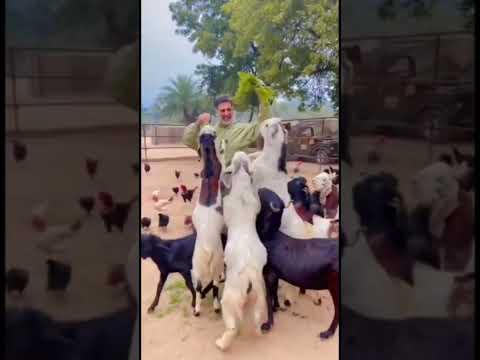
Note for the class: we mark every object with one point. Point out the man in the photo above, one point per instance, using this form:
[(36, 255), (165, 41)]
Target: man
[(239, 136)]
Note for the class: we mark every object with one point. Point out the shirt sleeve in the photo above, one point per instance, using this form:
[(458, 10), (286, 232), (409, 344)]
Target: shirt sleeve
[(190, 136)]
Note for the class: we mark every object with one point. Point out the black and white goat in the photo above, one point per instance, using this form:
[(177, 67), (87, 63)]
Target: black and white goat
[(207, 217)]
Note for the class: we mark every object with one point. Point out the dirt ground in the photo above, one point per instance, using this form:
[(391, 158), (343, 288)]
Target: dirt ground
[(172, 332), (54, 170)]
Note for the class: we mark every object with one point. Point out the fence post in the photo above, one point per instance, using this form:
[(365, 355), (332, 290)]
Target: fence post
[(11, 59)]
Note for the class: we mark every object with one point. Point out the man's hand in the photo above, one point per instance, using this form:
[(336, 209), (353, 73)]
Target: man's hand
[(203, 119)]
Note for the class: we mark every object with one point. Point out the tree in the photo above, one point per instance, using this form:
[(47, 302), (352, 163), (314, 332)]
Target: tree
[(59, 23), (182, 99), (389, 9), (296, 43), (292, 45)]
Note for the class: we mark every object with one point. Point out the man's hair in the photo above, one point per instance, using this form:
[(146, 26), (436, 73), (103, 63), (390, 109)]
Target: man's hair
[(221, 99)]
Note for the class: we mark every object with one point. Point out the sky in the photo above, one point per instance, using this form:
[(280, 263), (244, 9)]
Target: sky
[(164, 54)]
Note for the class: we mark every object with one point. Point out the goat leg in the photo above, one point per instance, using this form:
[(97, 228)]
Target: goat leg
[(152, 307), (271, 290), (333, 287), (188, 281), (205, 290)]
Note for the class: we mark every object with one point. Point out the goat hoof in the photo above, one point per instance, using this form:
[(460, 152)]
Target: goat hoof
[(196, 313), (217, 311), (326, 334), (150, 310), (266, 327), (317, 302), (287, 303)]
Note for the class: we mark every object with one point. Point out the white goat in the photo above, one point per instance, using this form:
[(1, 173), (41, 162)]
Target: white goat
[(437, 188), (245, 255), (207, 261), (269, 171)]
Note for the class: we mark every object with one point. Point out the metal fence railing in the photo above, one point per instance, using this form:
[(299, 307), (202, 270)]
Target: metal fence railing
[(52, 79)]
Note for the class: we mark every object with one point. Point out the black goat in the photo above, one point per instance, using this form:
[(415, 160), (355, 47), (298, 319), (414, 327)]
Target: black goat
[(173, 256), (312, 264)]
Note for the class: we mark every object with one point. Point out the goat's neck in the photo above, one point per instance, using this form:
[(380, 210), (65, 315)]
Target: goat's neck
[(210, 186), (272, 154)]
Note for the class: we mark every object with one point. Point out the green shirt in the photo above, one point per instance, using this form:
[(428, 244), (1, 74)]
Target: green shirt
[(239, 136)]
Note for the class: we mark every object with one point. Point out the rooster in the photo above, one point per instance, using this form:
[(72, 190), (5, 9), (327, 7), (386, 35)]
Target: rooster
[(145, 223), (188, 221), (91, 165), (296, 169), (59, 275), (19, 151), (116, 275), (187, 194), (160, 204), (16, 280), (163, 220)]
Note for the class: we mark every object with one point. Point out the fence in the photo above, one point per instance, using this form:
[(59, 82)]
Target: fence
[(49, 89)]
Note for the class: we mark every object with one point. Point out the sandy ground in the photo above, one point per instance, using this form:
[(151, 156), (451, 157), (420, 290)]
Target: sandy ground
[(54, 170), (172, 332)]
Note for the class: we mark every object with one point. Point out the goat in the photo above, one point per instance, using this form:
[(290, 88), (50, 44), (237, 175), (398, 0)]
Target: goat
[(382, 253), (451, 218), (171, 256), (312, 264), (245, 255), (269, 171), (207, 261), (327, 195), (324, 228), (30, 333)]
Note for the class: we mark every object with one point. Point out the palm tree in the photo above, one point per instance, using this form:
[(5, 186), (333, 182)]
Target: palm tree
[(182, 99)]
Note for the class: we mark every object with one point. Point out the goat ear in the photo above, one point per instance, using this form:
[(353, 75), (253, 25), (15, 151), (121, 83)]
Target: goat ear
[(226, 179)]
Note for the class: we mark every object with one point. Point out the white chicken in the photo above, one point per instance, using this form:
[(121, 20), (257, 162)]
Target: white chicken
[(160, 204)]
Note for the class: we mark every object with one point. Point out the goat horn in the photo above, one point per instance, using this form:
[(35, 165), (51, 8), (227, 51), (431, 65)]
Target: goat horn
[(274, 208)]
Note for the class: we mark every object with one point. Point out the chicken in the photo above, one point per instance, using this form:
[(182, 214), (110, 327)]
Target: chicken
[(160, 204), (187, 194), (296, 169), (59, 275), (116, 275), (188, 221), (19, 151), (163, 220), (16, 280), (145, 223), (91, 165), (87, 203)]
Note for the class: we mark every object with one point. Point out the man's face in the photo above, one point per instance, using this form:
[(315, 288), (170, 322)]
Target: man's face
[(225, 111)]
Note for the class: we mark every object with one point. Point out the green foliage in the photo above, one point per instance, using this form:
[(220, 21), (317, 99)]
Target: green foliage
[(390, 9), (252, 92), (291, 44), (72, 23), (182, 99)]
